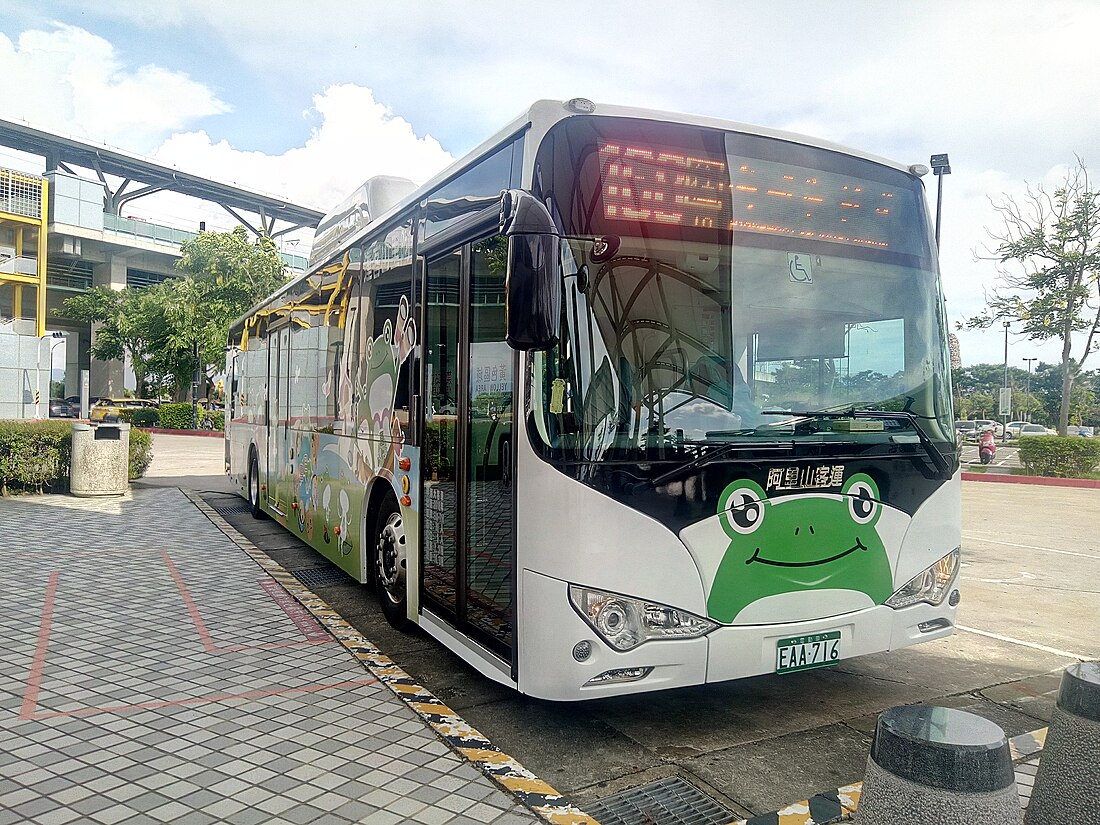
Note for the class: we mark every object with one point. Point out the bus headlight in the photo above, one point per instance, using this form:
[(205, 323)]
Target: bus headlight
[(930, 585), (625, 623)]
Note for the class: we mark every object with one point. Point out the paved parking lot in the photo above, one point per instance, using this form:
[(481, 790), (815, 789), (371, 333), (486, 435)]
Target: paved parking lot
[(1031, 563), (1030, 600)]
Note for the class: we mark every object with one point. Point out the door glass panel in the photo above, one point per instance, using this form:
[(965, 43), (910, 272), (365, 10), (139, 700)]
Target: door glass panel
[(440, 432), (489, 454)]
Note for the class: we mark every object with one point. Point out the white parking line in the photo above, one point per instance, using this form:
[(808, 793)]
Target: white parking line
[(1032, 547), (1022, 643)]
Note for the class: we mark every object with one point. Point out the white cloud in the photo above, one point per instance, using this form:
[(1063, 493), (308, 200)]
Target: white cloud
[(355, 139), (72, 81)]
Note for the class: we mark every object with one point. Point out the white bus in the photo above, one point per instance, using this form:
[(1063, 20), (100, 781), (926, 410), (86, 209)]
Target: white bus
[(621, 401)]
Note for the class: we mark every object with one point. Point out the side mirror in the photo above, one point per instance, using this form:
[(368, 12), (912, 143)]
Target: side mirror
[(533, 291)]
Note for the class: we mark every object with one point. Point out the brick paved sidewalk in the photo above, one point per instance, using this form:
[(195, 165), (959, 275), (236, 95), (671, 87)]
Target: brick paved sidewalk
[(151, 672)]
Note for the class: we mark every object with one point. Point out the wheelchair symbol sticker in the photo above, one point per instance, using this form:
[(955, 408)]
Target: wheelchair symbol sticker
[(800, 268)]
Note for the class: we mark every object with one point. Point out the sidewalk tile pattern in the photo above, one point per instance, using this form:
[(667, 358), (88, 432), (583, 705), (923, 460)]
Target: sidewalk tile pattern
[(455, 731), (148, 676)]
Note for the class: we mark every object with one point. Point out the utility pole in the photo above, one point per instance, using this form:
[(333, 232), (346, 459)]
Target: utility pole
[(1029, 360), (1005, 394)]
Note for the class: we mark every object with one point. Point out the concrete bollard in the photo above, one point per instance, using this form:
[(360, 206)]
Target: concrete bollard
[(938, 766), (1067, 786)]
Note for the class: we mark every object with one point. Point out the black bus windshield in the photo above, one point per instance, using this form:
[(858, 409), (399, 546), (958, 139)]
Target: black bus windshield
[(702, 303)]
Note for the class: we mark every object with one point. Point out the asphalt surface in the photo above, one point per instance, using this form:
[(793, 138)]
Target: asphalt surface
[(1030, 601)]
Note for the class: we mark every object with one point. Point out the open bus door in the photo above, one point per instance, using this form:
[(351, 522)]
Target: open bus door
[(468, 570)]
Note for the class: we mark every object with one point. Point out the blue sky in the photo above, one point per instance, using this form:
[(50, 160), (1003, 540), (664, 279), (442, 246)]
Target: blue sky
[(306, 100)]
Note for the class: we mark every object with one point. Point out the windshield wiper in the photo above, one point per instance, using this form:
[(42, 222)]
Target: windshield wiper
[(936, 457), (704, 459)]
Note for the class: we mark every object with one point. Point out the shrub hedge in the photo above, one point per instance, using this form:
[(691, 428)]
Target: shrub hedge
[(148, 417), (1059, 457), (175, 416), (36, 455)]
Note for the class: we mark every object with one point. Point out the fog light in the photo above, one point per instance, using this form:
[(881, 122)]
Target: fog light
[(582, 650), (954, 598), (622, 674)]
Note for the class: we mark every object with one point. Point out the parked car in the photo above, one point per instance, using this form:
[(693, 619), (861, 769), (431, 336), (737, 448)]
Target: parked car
[(970, 429), (1014, 427), (1034, 429), (966, 429), (1082, 430), (74, 402), (60, 408), (108, 409)]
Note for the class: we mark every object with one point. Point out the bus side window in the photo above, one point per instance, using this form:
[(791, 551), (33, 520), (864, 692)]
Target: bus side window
[(388, 336)]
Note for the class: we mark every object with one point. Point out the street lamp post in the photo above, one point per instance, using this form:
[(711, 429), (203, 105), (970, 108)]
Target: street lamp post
[(940, 166), (1029, 360), (45, 368), (1004, 395)]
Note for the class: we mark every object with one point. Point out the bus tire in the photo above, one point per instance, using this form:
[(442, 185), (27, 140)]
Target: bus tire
[(390, 563), (254, 488)]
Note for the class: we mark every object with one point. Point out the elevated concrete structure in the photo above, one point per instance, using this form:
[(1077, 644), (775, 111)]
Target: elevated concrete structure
[(89, 243)]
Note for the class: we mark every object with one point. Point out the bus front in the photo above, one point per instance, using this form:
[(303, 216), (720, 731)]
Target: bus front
[(740, 456)]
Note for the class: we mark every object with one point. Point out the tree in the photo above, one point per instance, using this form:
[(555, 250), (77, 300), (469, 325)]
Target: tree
[(225, 275), (132, 324), (1052, 242), (176, 328)]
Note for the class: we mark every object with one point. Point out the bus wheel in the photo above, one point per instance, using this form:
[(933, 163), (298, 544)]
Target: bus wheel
[(254, 489), (390, 564)]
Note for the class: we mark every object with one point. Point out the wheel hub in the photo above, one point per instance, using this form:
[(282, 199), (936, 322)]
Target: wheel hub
[(391, 556)]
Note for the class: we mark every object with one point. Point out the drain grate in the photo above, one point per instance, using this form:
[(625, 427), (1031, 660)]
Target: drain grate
[(231, 508), (321, 576), (671, 801)]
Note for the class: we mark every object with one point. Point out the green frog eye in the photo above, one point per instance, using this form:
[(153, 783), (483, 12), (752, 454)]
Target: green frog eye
[(744, 510), (861, 502)]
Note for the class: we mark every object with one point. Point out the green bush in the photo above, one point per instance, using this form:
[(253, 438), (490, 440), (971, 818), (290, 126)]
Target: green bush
[(34, 455), (37, 455), (147, 417), (175, 416), (141, 452), (1059, 457)]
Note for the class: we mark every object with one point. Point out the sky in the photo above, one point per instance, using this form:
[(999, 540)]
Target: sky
[(308, 100)]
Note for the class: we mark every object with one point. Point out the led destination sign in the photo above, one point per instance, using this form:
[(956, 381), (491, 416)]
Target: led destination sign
[(652, 184), (645, 183)]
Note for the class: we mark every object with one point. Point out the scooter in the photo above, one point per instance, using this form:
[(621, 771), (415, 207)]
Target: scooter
[(987, 447)]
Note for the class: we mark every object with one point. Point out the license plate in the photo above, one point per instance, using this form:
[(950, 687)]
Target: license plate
[(805, 652)]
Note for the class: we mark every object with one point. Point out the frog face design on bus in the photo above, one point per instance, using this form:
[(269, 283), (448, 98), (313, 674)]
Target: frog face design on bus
[(803, 543)]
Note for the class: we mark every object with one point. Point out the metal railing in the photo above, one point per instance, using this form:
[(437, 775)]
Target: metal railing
[(20, 194), (169, 236)]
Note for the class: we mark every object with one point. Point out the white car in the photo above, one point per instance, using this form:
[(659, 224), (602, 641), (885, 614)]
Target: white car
[(1034, 429), (1014, 428), (986, 423)]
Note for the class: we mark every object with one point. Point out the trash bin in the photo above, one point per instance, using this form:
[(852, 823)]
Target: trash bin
[(101, 460)]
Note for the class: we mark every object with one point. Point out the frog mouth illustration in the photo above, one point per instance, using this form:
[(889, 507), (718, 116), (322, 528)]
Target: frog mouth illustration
[(859, 545)]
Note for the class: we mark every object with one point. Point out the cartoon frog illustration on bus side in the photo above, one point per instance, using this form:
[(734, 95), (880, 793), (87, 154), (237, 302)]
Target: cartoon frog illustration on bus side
[(802, 543)]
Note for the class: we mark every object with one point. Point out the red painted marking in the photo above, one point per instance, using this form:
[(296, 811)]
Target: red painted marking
[(301, 617), (200, 433), (189, 603), (38, 664), (196, 700), (1005, 478), (305, 622)]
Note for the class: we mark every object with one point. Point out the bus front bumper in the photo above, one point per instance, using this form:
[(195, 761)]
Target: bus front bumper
[(550, 667)]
